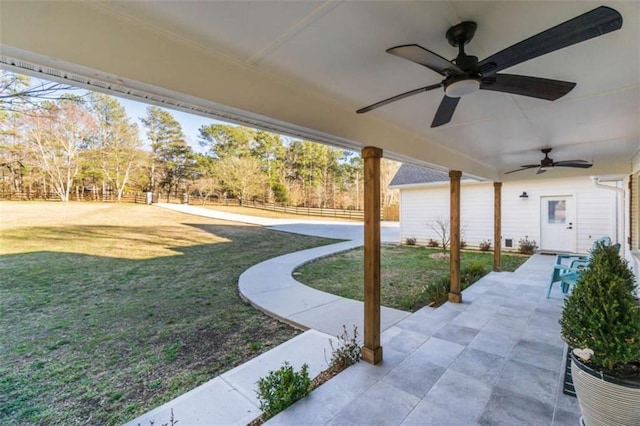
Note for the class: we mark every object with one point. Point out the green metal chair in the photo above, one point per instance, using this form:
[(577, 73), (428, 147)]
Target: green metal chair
[(567, 275)]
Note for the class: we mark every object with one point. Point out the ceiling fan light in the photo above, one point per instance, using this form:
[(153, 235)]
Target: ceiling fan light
[(460, 88)]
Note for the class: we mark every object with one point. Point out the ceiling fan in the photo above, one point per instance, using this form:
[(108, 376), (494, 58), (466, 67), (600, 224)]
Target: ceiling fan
[(465, 74), (546, 163)]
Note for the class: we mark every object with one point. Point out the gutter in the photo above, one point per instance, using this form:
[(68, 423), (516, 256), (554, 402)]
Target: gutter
[(596, 182)]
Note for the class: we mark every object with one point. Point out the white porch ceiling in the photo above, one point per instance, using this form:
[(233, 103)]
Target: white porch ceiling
[(310, 65)]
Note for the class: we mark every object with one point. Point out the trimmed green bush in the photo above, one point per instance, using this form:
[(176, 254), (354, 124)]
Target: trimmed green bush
[(472, 273), (281, 388), (602, 313)]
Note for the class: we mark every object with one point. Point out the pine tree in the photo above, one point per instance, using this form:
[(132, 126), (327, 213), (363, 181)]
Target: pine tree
[(116, 144), (172, 158)]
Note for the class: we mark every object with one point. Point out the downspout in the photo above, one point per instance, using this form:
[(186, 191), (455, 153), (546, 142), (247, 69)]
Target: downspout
[(596, 182)]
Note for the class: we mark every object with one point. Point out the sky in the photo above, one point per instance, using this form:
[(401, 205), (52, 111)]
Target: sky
[(190, 123)]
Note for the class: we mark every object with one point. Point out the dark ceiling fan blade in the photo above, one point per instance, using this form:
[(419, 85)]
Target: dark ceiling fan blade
[(398, 97), (445, 111), (562, 163), (533, 87), (572, 164), (530, 166), (594, 23), (426, 58)]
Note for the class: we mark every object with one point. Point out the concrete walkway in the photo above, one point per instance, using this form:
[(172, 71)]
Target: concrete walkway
[(230, 399), (271, 288), (494, 359)]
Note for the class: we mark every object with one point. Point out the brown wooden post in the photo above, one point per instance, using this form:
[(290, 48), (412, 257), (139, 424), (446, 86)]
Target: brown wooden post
[(455, 295), (497, 226), (372, 351)]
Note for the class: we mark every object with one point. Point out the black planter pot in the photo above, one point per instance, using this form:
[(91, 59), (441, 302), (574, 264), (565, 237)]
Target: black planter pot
[(603, 399)]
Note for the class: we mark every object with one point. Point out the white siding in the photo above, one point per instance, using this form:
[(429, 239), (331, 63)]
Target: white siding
[(418, 207), (595, 210)]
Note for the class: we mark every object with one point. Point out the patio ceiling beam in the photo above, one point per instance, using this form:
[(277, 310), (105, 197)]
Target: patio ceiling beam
[(372, 351), (96, 40), (455, 295), (497, 226)]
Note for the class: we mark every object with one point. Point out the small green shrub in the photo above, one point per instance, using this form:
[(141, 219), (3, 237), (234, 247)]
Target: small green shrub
[(485, 245), (435, 293), (526, 246), (472, 273), (433, 243), (411, 241), (602, 313), (281, 388), (410, 302)]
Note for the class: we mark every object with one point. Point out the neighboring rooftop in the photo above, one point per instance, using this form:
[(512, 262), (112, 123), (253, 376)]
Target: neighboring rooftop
[(408, 174)]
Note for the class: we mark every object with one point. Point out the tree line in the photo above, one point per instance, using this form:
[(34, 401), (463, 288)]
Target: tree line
[(53, 140)]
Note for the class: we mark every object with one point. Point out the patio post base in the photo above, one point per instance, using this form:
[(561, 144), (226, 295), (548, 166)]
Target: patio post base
[(372, 356), (455, 297)]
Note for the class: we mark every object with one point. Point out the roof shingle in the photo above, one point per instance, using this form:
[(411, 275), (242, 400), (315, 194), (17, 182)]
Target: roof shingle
[(409, 174)]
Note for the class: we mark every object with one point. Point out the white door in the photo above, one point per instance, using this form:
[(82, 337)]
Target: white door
[(557, 227)]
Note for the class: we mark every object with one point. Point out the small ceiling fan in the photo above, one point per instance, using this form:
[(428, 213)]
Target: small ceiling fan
[(547, 163), (465, 74)]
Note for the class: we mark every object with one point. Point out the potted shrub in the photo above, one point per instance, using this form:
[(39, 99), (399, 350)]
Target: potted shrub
[(601, 320)]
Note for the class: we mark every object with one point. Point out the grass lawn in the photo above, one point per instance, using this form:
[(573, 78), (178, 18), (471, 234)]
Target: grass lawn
[(107, 311), (406, 272)]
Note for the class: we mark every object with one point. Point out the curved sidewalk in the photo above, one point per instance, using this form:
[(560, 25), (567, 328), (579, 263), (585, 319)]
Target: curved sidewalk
[(270, 286)]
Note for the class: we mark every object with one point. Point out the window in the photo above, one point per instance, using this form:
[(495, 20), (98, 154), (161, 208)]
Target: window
[(557, 211)]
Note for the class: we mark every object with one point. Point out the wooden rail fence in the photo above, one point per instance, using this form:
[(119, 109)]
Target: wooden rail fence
[(388, 213)]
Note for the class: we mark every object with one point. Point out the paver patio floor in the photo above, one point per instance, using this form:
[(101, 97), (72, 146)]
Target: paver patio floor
[(496, 359)]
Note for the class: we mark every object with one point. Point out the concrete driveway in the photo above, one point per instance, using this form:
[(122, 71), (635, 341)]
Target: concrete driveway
[(341, 230)]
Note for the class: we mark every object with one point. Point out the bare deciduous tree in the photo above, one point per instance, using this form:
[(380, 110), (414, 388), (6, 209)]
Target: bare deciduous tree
[(206, 186), (242, 176), (441, 226), (19, 94), (57, 140)]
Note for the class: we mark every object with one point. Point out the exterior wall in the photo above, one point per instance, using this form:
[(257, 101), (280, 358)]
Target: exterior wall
[(595, 210), (632, 219)]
